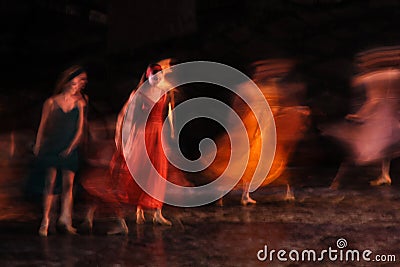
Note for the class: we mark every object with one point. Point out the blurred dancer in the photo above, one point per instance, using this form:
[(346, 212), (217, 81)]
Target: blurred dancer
[(151, 133), (289, 117), (59, 135), (372, 133), (121, 186)]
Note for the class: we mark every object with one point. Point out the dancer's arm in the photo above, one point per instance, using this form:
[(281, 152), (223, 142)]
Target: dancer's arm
[(47, 107), (171, 106), (79, 133)]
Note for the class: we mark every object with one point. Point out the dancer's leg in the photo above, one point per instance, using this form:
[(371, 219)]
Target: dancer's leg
[(65, 220), (246, 199), (47, 200), (158, 218), (384, 178)]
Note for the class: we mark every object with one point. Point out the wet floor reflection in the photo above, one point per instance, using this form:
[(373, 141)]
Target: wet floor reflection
[(219, 236)]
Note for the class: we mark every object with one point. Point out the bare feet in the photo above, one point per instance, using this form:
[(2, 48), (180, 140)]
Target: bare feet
[(140, 216), (289, 194), (382, 180), (158, 218), (247, 200), (65, 228), (121, 228), (44, 226)]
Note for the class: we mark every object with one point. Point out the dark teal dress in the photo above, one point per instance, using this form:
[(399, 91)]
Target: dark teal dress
[(59, 131)]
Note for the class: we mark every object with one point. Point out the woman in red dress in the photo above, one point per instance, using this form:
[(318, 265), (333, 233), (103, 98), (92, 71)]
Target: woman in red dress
[(131, 131)]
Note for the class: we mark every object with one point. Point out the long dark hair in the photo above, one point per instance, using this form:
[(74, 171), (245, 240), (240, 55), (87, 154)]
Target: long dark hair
[(152, 68), (66, 76)]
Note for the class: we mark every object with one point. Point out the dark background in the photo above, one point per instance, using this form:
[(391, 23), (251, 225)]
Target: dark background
[(115, 40)]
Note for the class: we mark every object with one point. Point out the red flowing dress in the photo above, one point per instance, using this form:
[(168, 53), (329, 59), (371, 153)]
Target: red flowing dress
[(124, 186)]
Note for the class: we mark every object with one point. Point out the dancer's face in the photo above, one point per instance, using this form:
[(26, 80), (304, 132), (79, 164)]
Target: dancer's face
[(83, 80), (78, 83), (156, 78)]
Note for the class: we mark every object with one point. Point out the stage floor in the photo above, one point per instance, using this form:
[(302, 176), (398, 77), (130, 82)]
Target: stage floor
[(364, 217)]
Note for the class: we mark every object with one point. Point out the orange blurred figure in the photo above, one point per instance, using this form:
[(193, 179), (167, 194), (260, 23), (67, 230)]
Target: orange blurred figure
[(290, 121)]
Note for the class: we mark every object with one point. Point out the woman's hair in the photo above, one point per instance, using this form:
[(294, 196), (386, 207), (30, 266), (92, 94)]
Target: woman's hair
[(152, 69), (66, 76)]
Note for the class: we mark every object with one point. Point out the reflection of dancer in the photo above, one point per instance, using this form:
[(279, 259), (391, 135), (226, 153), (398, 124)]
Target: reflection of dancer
[(149, 131), (372, 132), (59, 134)]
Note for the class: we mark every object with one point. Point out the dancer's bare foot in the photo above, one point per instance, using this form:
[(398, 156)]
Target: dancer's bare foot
[(64, 225), (289, 194), (44, 226), (121, 228), (140, 216), (247, 200), (382, 180), (158, 218), (66, 229)]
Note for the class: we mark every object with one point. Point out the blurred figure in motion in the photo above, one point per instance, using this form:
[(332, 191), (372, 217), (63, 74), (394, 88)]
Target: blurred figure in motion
[(156, 101), (59, 135), (290, 117), (120, 186), (286, 97), (372, 134)]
